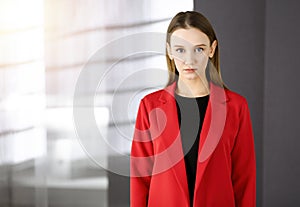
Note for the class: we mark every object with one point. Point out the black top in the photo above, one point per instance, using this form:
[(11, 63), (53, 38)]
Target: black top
[(191, 112)]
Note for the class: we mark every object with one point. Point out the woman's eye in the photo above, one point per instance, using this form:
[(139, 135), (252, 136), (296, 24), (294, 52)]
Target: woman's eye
[(199, 49), (180, 50)]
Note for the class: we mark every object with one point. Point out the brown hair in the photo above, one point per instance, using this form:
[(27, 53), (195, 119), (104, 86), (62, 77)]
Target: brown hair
[(185, 20)]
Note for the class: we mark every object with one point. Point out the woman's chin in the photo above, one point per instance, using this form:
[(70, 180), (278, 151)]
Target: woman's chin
[(190, 76)]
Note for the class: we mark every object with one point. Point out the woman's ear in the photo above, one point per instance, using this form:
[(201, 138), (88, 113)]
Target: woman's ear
[(169, 51), (213, 48)]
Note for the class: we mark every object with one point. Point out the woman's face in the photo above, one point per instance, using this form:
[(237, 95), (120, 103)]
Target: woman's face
[(190, 49)]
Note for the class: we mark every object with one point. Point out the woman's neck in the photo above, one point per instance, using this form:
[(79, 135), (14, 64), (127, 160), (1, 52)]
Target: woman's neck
[(192, 88)]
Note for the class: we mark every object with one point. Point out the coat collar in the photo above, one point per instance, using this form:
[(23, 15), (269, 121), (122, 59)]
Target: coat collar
[(217, 93)]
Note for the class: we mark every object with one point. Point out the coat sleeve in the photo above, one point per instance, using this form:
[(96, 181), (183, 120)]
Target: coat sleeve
[(141, 159), (243, 162)]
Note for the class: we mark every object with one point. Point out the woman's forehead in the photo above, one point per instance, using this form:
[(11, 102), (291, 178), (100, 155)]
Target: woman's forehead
[(190, 36)]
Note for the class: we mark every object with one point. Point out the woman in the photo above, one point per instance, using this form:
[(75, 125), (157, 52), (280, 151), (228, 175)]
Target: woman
[(193, 142)]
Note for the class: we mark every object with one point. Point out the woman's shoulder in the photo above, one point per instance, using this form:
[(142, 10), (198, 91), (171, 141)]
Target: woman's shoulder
[(235, 98), (154, 95), (157, 97)]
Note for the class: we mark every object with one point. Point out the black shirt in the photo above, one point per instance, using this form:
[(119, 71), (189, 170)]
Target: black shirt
[(191, 112)]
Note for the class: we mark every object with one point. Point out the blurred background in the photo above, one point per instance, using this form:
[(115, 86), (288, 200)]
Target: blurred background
[(44, 46)]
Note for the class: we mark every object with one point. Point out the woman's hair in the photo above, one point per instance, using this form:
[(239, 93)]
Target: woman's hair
[(192, 19)]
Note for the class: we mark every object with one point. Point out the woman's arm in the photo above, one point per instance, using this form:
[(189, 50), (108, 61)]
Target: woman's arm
[(243, 162), (141, 160)]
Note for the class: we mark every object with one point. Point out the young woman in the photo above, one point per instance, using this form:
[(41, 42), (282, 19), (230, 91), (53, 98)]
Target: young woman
[(193, 142)]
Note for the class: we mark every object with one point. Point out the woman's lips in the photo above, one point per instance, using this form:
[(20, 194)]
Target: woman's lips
[(189, 70)]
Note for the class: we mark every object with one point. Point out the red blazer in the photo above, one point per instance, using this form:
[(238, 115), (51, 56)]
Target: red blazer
[(226, 173)]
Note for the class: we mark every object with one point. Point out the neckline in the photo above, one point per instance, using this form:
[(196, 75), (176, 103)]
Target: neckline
[(195, 97)]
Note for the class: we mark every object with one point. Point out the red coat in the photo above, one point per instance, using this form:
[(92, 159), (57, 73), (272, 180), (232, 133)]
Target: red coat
[(226, 173)]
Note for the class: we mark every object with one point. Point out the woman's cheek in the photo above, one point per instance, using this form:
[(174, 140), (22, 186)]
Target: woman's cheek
[(179, 65), (202, 62)]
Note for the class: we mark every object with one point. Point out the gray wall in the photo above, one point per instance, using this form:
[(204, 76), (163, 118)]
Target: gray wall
[(281, 105), (258, 43)]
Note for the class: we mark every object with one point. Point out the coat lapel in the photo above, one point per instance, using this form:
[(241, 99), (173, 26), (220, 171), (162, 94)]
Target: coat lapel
[(173, 143), (212, 129)]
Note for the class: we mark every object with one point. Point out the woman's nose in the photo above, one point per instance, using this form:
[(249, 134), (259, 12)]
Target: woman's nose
[(189, 59)]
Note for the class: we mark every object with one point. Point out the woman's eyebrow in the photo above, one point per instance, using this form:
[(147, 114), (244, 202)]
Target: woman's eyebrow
[(200, 45), (194, 45)]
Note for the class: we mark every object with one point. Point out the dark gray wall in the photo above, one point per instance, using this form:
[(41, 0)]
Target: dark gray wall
[(282, 101), (259, 43)]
